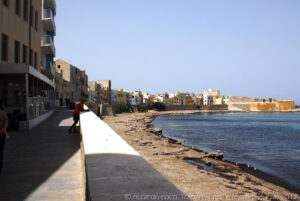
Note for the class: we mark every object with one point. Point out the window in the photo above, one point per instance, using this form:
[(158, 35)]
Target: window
[(30, 57), (31, 16), (18, 9), (5, 2), (24, 54), (36, 20), (35, 60), (4, 48), (17, 52), (25, 10), (58, 66)]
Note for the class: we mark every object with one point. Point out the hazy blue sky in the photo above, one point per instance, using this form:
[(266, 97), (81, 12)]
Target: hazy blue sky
[(242, 47)]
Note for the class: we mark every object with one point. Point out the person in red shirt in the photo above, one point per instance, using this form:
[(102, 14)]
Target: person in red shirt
[(78, 108)]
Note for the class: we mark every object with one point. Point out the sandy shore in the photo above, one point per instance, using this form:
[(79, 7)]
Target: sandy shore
[(200, 175)]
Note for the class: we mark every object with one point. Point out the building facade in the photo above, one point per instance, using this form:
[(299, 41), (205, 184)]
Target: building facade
[(122, 96), (162, 98), (106, 90), (136, 98), (26, 90), (94, 92), (48, 32), (177, 98), (76, 79), (208, 99), (63, 87)]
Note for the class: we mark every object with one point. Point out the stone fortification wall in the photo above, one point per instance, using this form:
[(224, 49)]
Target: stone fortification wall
[(272, 106)]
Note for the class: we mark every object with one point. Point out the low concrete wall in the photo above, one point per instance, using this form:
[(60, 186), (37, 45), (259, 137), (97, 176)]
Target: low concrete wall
[(181, 107), (239, 107), (102, 109), (195, 107), (114, 170), (214, 107)]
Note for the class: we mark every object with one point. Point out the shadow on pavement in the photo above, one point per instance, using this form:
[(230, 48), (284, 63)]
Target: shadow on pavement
[(32, 157)]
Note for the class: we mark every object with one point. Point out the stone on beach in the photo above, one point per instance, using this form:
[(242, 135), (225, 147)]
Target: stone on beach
[(215, 155), (156, 130)]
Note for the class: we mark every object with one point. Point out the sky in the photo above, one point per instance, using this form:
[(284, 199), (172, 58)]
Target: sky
[(241, 47)]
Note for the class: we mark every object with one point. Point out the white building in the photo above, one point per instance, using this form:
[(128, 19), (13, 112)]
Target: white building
[(146, 98), (136, 98), (162, 98), (208, 99)]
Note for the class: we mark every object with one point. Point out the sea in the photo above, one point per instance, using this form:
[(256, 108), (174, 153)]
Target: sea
[(269, 142)]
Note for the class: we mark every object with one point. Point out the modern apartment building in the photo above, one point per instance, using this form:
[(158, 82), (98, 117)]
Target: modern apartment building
[(26, 88), (208, 99), (48, 33), (76, 79)]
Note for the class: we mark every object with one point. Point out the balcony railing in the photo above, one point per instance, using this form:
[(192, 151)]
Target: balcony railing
[(48, 13), (48, 18), (48, 41), (50, 4), (48, 69)]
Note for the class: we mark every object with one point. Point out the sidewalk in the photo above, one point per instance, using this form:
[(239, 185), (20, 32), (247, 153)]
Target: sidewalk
[(43, 163)]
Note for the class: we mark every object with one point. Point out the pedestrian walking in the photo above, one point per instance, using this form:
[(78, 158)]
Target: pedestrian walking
[(3, 134)]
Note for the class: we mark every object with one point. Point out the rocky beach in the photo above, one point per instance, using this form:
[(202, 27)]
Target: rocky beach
[(199, 175)]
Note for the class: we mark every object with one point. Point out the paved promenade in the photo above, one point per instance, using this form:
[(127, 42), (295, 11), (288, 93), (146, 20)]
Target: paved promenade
[(43, 163)]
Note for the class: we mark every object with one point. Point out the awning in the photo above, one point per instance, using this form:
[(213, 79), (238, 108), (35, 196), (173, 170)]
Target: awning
[(24, 69)]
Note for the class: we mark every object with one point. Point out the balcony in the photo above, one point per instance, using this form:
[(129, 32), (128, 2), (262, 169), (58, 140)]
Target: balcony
[(48, 46), (50, 4), (48, 20), (48, 70)]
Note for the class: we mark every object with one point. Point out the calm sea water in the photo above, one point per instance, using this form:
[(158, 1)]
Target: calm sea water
[(267, 141)]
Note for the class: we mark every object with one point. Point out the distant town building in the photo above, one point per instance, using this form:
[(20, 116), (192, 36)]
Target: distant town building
[(63, 87), (94, 92), (114, 97), (189, 100), (208, 99), (212, 92), (106, 90), (148, 99), (220, 100), (162, 98), (26, 62), (198, 99), (177, 98), (122, 96), (83, 82), (136, 98), (76, 78)]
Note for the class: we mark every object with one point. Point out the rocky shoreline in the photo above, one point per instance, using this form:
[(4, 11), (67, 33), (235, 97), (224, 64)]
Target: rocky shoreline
[(196, 173)]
